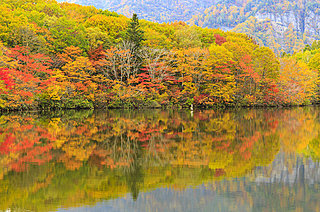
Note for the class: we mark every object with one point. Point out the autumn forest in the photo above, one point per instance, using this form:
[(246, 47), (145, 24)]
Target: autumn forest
[(62, 56), (105, 112)]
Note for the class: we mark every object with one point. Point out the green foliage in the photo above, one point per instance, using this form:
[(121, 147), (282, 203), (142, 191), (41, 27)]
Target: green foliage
[(134, 33), (78, 104)]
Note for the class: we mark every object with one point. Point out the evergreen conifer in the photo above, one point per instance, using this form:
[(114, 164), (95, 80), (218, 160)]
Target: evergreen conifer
[(135, 34)]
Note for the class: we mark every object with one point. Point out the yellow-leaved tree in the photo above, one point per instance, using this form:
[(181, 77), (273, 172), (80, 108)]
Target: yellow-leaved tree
[(220, 80), (298, 82)]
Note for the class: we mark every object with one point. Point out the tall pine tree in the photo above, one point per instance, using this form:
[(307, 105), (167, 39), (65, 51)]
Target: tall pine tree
[(134, 38), (135, 34)]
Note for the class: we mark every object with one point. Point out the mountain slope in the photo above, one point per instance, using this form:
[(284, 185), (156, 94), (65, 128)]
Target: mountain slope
[(269, 22), (303, 14), (159, 11), (282, 25)]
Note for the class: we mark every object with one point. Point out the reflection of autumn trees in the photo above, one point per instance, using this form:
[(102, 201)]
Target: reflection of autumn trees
[(23, 142), (65, 159), (299, 128)]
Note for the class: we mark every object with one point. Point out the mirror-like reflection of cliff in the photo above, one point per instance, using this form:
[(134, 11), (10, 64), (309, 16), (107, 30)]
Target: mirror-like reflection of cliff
[(233, 160)]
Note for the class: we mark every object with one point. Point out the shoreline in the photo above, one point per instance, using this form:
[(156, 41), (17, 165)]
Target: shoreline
[(226, 107)]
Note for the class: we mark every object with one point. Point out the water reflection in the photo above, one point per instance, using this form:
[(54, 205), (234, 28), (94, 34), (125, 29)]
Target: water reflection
[(161, 160)]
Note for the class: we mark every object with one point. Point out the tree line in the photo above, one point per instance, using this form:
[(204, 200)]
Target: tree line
[(61, 55)]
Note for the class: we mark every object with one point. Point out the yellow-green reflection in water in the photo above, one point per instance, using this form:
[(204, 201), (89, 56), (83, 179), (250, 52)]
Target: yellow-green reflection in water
[(234, 160)]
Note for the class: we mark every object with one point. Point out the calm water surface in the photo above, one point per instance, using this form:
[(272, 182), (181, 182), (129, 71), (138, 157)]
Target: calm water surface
[(235, 160)]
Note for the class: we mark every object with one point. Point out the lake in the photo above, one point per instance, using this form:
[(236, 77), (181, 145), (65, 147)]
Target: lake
[(155, 160)]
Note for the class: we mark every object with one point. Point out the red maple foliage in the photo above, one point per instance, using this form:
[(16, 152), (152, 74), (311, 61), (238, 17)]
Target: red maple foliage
[(219, 39)]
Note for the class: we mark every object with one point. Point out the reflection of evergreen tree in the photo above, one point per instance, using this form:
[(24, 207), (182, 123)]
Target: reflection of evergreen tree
[(134, 175), (135, 180)]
